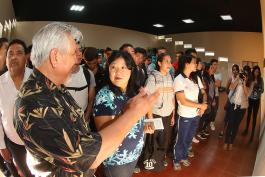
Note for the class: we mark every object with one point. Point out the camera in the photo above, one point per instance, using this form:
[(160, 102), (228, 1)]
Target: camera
[(242, 75)]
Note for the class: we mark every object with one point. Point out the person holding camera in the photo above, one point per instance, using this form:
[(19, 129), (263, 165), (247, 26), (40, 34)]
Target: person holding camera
[(238, 103)]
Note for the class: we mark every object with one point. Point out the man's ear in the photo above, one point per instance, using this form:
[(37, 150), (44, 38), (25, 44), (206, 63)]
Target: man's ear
[(54, 57)]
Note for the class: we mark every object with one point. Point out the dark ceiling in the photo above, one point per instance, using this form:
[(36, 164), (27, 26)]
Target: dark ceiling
[(140, 15)]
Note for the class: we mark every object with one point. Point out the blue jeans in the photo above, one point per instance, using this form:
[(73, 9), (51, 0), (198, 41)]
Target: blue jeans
[(125, 170), (186, 131), (235, 117)]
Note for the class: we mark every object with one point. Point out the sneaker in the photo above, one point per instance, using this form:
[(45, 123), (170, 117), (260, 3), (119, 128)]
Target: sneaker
[(165, 163), (186, 163), (221, 134), (176, 166), (202, 136), (191, 153), (136, 170), (206, 133), (212, 126), (195, 140)]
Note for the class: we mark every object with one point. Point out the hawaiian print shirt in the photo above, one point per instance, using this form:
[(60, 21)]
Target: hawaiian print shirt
[(53, 128), (109, 104)]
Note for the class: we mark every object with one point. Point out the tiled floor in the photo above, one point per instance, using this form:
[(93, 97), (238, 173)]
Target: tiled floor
[(211, 160)]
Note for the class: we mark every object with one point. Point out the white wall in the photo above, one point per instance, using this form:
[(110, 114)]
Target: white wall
[(94, 35), (6, 10), (6, 14), (237, 46), (259, 168)]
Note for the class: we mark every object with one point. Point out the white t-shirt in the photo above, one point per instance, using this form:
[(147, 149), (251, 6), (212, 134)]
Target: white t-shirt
[(191, 92), (8, 96), (79, 80), (238, 96)]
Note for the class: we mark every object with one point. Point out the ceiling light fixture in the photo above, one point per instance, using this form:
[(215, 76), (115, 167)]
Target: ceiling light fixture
[(187, 46), (200, 49), (188, 20), (225, 59), (78, 8), (179, 42), (226, 17), (208, 53), (168, 39), (158, 25), (161, 37)]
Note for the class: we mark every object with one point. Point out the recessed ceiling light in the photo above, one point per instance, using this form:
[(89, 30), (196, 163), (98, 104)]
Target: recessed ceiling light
[(223, 59), (168, 39), (78, 8), (188, 20), (199, 49), (208, 53), (187, 46), (226, 17), (161, 37), (158, 25), (179, 42)]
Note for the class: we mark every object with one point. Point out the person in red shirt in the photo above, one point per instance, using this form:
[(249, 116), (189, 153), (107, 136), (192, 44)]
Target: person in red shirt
[(175, 64)]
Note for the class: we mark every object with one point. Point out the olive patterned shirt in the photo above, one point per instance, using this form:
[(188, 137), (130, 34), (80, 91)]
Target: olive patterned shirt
[(52, 126)]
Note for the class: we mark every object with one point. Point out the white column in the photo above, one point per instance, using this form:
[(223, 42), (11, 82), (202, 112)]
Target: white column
[(259, 168)]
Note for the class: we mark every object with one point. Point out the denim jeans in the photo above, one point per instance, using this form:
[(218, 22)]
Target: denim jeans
[(235, 117), (186, 131), (253, 105), (125, 170)]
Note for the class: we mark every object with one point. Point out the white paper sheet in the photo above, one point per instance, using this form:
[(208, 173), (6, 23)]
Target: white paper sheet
[(157, 123)]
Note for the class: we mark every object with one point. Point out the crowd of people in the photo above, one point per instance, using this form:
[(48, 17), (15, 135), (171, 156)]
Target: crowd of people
[(67, 110)]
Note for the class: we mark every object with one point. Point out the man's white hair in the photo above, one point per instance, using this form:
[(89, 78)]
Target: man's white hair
[(53, 35)]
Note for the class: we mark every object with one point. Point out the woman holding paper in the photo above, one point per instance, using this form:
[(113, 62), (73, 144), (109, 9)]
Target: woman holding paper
[(109, 103), (187, 86), (160, 79)]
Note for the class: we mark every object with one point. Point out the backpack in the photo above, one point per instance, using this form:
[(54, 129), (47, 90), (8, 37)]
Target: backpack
[(87, 76), (152, 156)]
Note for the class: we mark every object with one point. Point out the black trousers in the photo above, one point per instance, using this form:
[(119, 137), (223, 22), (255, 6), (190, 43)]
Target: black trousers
[(215, 109), (253, 106), (19, 153), (163, 136), (235, 117), (205, 120), (4, 167), (156, 146)]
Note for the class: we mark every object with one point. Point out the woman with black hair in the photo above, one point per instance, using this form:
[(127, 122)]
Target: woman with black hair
[(235, 72), (109, 104), (187, 86), (209, 83), (240, 90), (254, 100), (161, 79)]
